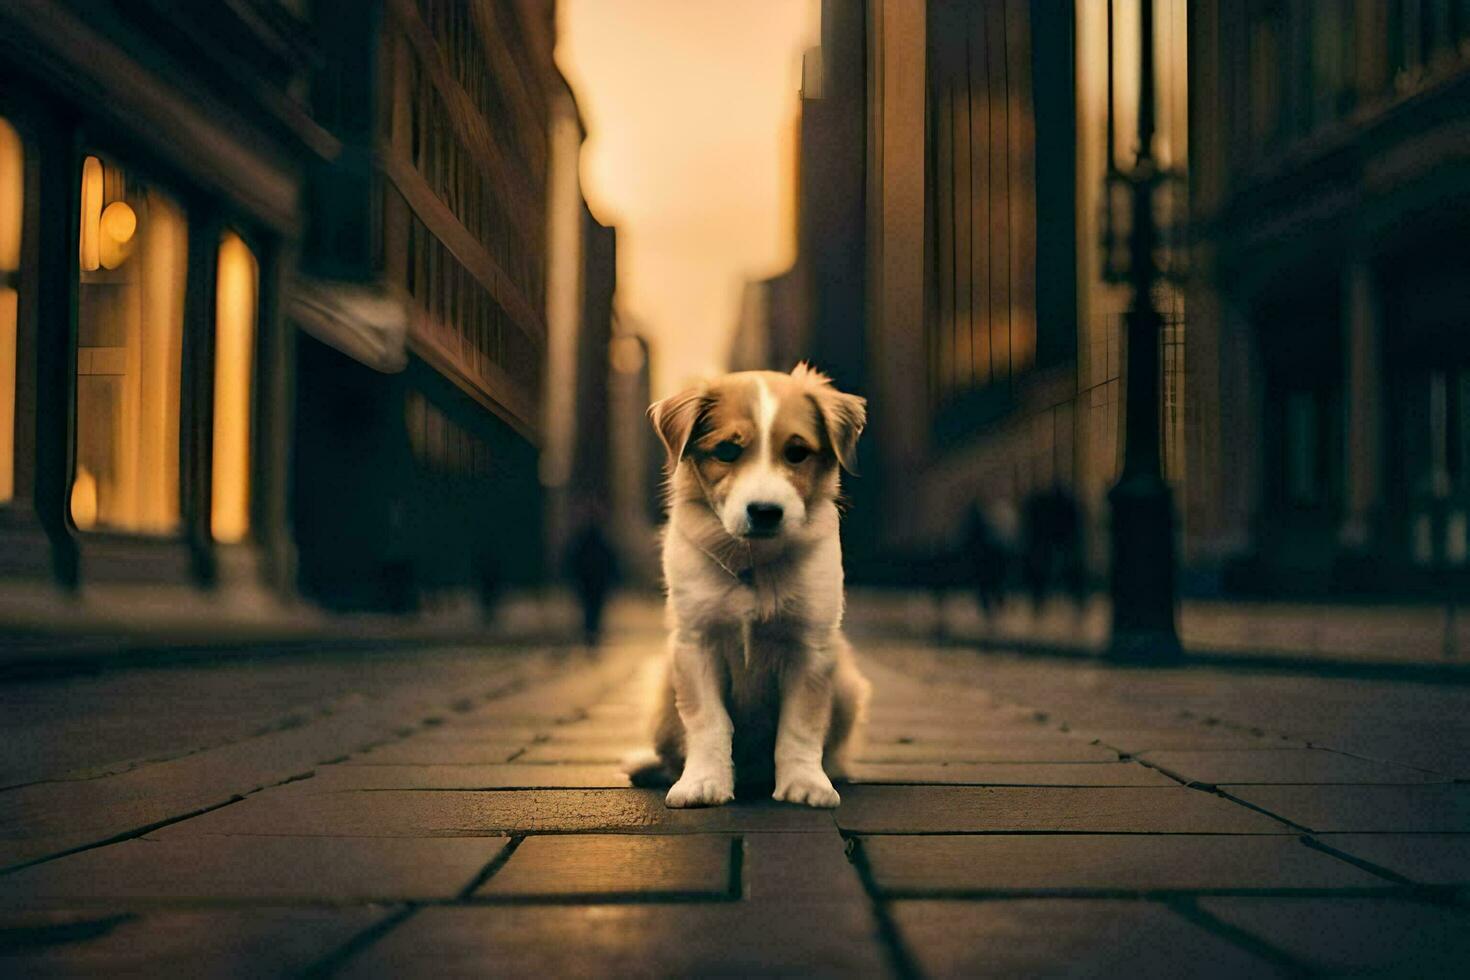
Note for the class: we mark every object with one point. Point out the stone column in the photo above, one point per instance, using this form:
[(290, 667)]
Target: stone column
[(1363, 405), (896, 85)]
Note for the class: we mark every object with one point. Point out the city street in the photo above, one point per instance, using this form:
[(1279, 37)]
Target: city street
[(459, 811)]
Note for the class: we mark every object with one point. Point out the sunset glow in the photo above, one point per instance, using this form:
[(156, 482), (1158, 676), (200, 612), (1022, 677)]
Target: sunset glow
[(690, 110)]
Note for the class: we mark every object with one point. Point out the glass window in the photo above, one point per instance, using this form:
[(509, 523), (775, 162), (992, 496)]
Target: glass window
[(12, 202), (237, 290), (130, 325)]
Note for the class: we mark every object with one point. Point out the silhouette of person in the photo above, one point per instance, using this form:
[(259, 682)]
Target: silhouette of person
[(988, 559), (1053, 545), (593, 567)]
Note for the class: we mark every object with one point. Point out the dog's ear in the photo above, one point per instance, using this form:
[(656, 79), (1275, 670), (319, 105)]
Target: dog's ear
[(674, 419), (843, 415)]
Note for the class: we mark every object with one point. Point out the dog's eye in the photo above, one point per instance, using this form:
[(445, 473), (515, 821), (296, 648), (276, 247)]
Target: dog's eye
[(727, 451), (797, 453)]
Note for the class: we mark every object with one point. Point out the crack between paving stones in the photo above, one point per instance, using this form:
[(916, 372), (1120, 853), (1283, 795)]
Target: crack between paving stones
[(491, 867), (1358, 862), (895, 950), (138, 832), (1189, 910), (338, 958), (1262, 810)]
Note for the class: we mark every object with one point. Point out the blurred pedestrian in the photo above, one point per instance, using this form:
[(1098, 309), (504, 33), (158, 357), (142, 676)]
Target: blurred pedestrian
[(593, 567), (1053, 545), (989, 560)]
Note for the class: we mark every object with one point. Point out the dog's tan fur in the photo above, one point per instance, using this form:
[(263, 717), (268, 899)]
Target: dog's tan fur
[(761, 687)]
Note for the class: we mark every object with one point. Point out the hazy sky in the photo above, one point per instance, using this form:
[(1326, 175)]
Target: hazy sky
[(690, 107)]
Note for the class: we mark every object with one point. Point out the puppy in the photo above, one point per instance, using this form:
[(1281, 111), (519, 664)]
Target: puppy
[(761, 687)]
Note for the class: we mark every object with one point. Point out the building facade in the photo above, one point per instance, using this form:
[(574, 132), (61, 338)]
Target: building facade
[(272, 315), (952, 248), (1332, 194)]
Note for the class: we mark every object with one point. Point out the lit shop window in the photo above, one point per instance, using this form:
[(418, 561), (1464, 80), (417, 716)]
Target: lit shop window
[(12, 201), (237, 291), (130, 320)]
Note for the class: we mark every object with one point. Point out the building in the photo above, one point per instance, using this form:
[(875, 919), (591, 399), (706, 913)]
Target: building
[(272, 314), (1331, 189)]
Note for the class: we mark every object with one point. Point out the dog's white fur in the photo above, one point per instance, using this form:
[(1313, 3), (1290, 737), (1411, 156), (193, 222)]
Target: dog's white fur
[(761, 686)]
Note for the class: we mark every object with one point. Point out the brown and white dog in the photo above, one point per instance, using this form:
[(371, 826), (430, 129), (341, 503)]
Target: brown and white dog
[(761, 686)]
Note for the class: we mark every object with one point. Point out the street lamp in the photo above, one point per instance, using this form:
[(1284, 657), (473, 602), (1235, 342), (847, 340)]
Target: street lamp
[(1135, 251)]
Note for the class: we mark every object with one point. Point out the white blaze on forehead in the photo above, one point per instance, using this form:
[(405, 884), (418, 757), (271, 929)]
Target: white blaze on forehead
[(765, 413)]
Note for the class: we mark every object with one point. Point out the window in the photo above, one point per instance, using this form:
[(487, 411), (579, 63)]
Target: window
[(237, 292), (130, 320), (12, 202)]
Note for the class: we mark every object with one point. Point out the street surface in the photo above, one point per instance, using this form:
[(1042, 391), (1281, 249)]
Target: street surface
[(460, 812)]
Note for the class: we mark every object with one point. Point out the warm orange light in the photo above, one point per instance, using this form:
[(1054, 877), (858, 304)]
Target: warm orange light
[(689, 109), (115, 244), (84, 499), (130, 327), (237, 288), (91, 231), (12, 204)]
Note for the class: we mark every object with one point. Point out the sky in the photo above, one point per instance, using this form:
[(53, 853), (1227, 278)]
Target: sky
[(691, 110)]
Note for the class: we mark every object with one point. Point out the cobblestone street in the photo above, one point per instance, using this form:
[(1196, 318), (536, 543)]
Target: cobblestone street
[(460, 812)]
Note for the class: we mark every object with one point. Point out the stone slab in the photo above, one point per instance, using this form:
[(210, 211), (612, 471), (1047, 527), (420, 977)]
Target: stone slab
[(961, 809), (1011, 773), (450, 813), (209, 943), (934, 864), (506, 776), (1430, 859), (1135, 741), (1380, 936), (1065, 937), (185, 870), (803, 868), (593, 866), (1437, 807), (691, 939), (420, 752), (591, 751), (1023, 750), (1221, 767)]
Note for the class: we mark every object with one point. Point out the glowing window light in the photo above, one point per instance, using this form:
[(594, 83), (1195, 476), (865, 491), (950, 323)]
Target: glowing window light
[(237, 289), (133, 265), (12, 203), (91, 237)]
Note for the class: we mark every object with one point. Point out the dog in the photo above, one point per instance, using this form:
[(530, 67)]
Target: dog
[(760, 689)]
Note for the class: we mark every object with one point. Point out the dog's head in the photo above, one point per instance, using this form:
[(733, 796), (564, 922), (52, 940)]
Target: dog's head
[(760, 447)]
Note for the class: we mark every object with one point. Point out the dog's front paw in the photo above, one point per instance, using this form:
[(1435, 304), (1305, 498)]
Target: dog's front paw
[(700, 789), (811, 788)]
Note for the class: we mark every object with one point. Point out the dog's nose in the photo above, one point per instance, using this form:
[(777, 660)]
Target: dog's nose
[(764, 517)]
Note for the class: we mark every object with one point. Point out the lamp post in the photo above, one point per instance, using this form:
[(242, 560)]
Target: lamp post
[(1142, 527)]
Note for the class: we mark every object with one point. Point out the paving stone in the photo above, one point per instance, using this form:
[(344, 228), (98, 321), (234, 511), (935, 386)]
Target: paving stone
[(213, 943), (1191, 738), (1430, 859), (1382, 936), (692, 939), (591, 751), (180, 869), (1021, 750), (1011, 773), (934, 863), (960, 809), (450, 813), (506, 776), (1438, 807), (602, 865), (1220, 767), (802, 868), (1065, 937), (418, 752)]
